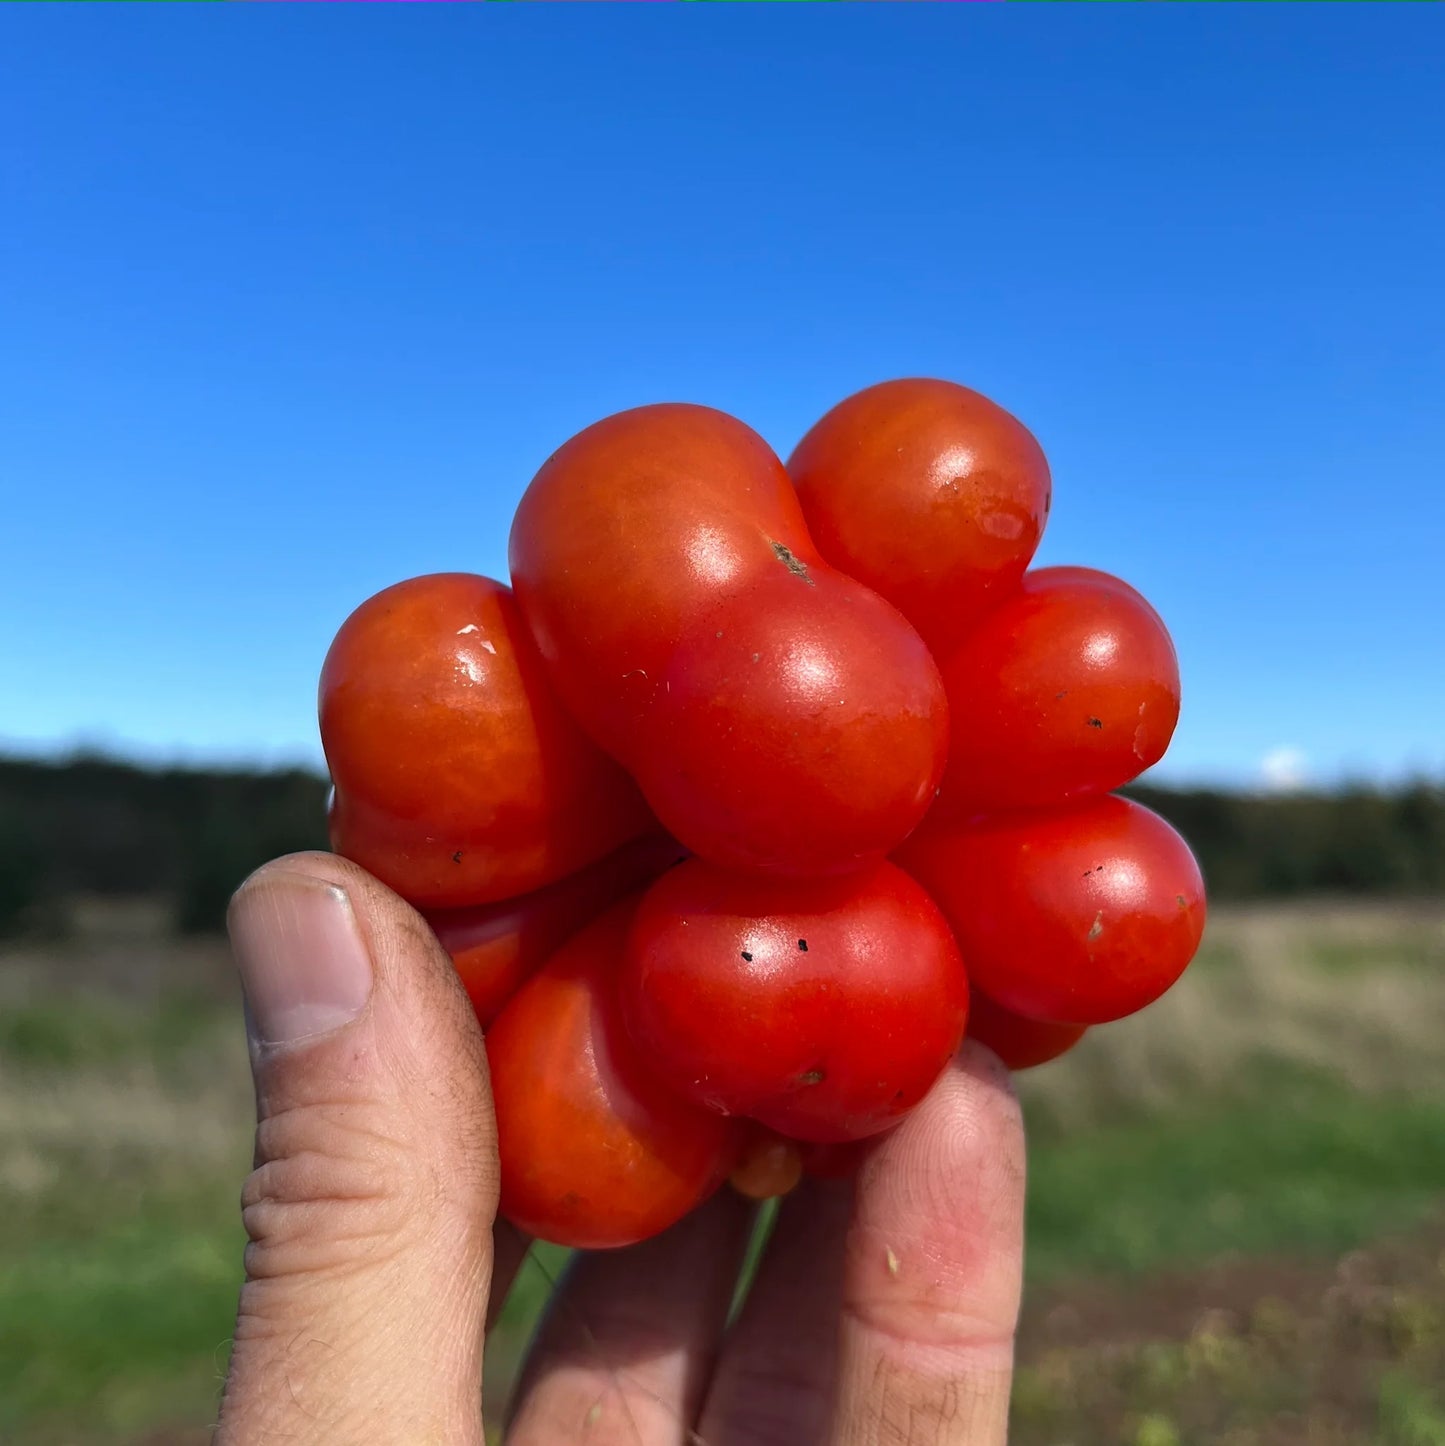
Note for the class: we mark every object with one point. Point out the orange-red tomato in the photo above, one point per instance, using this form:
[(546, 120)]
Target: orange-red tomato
[(1070, 687), (823, 1008), (779, 716), (929, 493), (1077, 915), (594, 1151), (769, 1165), (495, 947), (1020, 1043), (459, 778)]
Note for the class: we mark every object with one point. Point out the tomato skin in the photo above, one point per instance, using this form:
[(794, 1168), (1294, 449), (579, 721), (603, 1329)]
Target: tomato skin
[(595, 1153), (825, 1009), (928, 493), (838, 1161), (459, 778), (1076, 915), (1020, 1043), (496, 947), (778, 716), (1066, 689)]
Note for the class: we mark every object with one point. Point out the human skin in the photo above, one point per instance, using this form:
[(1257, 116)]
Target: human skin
[(883, 1310)]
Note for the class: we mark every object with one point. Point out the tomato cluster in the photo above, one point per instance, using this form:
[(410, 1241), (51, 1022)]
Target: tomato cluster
[(754, 774)]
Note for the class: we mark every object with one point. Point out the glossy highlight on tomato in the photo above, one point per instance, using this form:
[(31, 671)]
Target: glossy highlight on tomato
[(779, 716), (459, 778), (495, 947), (927, 492), (1068, 688), (825, 1009), (1077, 915), (595, 1152)]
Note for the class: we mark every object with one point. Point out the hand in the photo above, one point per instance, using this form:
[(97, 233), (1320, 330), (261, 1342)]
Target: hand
[(881, 1313)]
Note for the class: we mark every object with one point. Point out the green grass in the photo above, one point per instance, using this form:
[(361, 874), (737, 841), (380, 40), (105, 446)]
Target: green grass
[(100, 1332), (88, 1031), (1288, 1100), (1319, 1170)]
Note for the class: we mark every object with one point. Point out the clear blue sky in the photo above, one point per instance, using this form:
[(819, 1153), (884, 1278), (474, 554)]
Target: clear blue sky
[(293, 301)]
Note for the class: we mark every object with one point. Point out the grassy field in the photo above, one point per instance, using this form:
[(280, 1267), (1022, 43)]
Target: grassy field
[(1237, 1201)]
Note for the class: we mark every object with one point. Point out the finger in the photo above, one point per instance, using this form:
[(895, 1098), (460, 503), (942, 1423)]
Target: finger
[(371, 1205), (932, 1271), (628, 1343), (777, 1376)]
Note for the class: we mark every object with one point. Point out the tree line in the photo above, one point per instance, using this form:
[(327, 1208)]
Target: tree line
[(92, 825)]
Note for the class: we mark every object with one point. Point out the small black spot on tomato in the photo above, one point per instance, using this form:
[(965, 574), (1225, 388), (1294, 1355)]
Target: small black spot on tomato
[(802, 946), (457, 857), (1096, 722), (748, 958)]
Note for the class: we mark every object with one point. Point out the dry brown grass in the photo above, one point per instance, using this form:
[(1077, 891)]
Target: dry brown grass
[(1345, 990)]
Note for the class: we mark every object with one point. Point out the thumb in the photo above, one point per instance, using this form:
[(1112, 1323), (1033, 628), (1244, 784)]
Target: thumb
[(370, 1207)]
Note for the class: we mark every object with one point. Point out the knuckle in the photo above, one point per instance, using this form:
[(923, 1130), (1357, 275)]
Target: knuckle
[(332, 1190), (778, 1400)]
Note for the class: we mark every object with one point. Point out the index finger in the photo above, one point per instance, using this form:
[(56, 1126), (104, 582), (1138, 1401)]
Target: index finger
[(933, 1268)]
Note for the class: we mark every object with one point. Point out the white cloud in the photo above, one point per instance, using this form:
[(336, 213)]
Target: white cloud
[(1284, 769)]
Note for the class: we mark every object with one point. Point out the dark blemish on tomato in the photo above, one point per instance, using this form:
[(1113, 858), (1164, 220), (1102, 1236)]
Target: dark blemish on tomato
[(802, 946), (747, 958), (1064, 694), (1179, 899), (457, 857), (1098, 870), (719, 632), (790, 562), (897, 1096), (813, 1076), (570, 1201), (1096, 722)]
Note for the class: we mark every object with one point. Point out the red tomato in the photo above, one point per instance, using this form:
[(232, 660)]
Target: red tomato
[(769, 1165), (1068, 688), (594, 1152), (1020, 1043), (841, 1160), (1077, 915), (497, 946), (928, 493), (823, 1008), (459, 778), (778, 715)]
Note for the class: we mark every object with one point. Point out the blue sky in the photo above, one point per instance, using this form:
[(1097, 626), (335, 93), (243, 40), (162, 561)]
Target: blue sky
[(294, 300)]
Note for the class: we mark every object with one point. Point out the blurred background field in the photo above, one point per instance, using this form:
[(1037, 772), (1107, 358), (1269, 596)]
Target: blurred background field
[(292, 308), (1237, 1200)]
